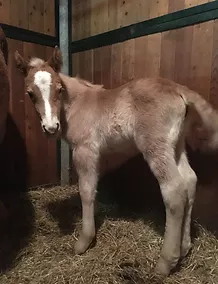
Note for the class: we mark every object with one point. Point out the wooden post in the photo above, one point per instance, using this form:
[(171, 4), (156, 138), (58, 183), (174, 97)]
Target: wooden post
[(64, 29)]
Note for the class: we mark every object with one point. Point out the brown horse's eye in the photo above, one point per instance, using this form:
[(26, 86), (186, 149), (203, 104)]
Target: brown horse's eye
[(30, 94)]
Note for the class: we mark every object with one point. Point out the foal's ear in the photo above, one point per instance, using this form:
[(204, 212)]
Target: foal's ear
[(55, 60), (21, 63)]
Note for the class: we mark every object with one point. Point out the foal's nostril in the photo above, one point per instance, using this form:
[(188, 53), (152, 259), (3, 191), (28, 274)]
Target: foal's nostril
[(58, 126)]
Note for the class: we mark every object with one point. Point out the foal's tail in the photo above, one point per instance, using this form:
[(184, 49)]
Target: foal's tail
[(203, 122)]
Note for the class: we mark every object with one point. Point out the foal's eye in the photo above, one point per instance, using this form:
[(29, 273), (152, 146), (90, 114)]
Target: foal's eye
[(61, 90), (30, 94)]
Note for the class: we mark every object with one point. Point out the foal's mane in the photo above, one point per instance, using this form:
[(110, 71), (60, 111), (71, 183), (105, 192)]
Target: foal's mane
[(88, 84)]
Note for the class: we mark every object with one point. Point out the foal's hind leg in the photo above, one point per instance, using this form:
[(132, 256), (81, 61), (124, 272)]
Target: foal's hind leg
[(86, 165), (190, 179), (172, 185)]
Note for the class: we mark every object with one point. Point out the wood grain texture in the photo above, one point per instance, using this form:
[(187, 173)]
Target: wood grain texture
[(19, 13), (214, 68), (183, 56), (92, 17), (97, 68), (106, 63), (116, 65), (5, 12), (141, 57), (201, 58), (153, 55), (36, 15), (88, 65), (128, 60), (75, 64), (17, 98), (168, 53), (49, 17)]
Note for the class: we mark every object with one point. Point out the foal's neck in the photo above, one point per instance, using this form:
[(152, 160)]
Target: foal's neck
[(75, 86)]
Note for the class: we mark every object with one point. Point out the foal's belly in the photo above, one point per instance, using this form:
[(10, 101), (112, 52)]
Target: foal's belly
[(114, 157)]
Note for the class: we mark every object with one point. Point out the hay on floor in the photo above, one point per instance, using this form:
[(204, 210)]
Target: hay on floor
[(37, 246)]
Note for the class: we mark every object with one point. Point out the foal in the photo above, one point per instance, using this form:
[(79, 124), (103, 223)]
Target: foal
[(151, 116)]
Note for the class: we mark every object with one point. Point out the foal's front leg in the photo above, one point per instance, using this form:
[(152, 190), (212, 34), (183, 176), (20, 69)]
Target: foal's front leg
[(86, 165)]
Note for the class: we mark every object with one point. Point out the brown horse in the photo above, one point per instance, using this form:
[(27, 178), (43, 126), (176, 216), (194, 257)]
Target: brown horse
[(150, 115), (4, 94), (4, 84)]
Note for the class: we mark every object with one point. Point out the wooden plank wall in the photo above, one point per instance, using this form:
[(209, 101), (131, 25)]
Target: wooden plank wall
[(92, 17), (186, 55), (34, 15), (28, 156)]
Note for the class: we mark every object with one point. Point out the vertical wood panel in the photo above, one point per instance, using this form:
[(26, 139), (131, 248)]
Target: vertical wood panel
[(143, 10), (98, 16), (113, 15), (87, 18), (192, 3), (128, 60), (5, 11), (214, 68), (116, 65), (49, 17), (75, 64), (200, 71), (158, 8), (19, 13), (128, 12), (82, 66), (140, 56), (168, 52), (17, 100), (183, 55), (36, 15), (106, 63), (76, 20), (176, 5), (97, 71), (153, 55), (88, 65)]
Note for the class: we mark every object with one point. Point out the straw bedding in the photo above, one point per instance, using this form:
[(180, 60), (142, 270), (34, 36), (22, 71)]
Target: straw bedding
[(37, 243)]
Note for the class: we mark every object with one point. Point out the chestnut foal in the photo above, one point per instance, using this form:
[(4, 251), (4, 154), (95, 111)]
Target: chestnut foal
[(150, 115)]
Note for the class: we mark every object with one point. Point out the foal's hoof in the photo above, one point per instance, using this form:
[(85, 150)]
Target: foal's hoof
[(82, 245), (162, 268), (186, 249)]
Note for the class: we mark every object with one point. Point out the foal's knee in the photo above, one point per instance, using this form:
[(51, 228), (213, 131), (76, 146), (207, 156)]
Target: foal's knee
[(174, 196)]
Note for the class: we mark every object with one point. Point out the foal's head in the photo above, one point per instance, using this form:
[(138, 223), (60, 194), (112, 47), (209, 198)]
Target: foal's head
[(43, 85)]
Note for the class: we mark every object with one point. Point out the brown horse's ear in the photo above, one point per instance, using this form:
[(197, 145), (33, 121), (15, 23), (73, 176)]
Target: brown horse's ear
[(55, 60), (21, 63)]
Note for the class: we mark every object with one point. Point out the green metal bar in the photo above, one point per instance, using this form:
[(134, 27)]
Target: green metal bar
[(176, 20)]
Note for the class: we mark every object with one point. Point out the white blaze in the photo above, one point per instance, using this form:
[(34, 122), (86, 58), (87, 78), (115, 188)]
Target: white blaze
[(42, 80)]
